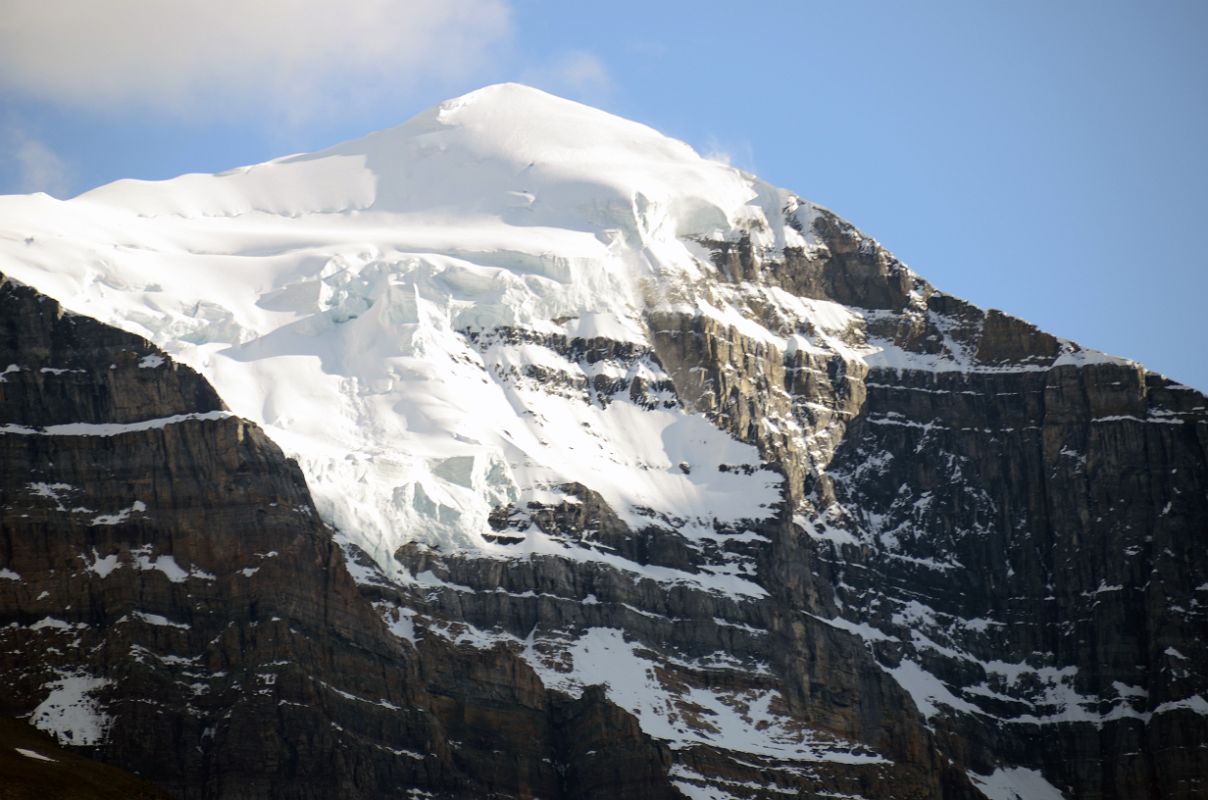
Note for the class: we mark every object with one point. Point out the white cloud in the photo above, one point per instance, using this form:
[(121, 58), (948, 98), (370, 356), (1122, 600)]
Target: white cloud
[(32, 165), (201, 56)]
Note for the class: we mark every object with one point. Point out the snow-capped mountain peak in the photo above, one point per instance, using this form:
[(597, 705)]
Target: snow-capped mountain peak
[(394, 310), (612, 415), (508, 152)]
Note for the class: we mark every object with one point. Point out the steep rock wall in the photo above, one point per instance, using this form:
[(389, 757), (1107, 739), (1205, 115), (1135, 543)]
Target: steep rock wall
[(172, 604)]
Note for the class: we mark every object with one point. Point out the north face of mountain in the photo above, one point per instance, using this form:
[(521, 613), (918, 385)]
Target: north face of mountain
[(590, 468)]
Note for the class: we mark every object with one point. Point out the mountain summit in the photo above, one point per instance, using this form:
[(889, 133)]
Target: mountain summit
[(593, 436), (337, 299), (486, 153), (328, 296)]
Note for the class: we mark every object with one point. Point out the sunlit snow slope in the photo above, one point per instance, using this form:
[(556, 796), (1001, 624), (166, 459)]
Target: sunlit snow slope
[(337, 299)]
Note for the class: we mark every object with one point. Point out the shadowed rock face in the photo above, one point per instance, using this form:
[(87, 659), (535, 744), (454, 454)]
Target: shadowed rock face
[(34, 766), (988, 559), (170, 603), (1041, 555)]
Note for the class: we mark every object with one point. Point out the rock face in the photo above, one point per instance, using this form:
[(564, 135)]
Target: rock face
[(1017, 544), (631, 490), (172, 604), (1030, 531)]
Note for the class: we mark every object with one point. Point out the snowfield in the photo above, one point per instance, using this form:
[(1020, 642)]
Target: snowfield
[(329, 298), (361, 305)]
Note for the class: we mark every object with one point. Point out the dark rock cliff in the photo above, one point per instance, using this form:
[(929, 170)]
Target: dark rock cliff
[(1032, 530), (170, 603)]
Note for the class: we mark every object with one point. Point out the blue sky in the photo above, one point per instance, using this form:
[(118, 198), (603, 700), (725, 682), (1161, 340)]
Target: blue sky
[(1045, 158)]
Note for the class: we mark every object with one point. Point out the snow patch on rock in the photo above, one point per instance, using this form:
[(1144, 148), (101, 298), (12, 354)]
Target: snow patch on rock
[(34, 755), (1015, 783), (743, 720), (70, 713)]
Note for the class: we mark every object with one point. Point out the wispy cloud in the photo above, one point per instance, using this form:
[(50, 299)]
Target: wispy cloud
[(740, 155), (292, 57), (32, 165), (578, 73)]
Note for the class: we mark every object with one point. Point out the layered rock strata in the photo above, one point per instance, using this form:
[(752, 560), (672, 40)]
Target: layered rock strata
[(172, 604), (998, 525)]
